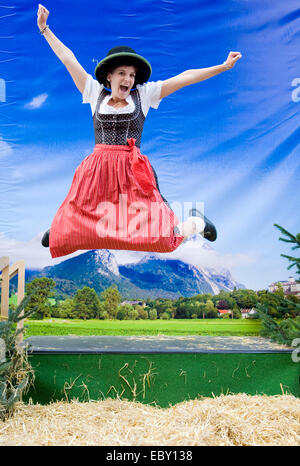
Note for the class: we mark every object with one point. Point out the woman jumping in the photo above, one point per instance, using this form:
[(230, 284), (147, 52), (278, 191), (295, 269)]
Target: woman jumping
[(114, 201)]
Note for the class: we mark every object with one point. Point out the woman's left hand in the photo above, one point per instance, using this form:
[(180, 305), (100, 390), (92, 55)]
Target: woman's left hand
[(231, 60)]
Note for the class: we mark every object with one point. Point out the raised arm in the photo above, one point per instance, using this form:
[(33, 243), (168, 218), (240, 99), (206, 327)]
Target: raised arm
[(65, 55), (194, 76)]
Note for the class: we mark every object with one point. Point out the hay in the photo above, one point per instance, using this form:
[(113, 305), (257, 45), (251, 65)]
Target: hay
[(225, 420)]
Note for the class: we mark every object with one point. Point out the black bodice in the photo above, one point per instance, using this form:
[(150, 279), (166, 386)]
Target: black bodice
[(117, 128)]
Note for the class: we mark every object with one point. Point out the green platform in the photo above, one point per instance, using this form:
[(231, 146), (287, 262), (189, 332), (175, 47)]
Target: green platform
[(161, 370)]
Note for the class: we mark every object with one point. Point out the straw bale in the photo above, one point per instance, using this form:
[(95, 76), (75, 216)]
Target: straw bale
[(226, 420)]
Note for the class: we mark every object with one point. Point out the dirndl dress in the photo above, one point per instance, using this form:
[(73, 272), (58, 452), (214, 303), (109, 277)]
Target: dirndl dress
[(114, 201)]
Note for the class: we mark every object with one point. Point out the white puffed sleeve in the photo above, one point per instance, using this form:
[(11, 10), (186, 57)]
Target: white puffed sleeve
[(150, 95), (91, 92)]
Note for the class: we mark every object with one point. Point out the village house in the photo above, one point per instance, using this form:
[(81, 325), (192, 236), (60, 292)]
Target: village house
[(245, 313), (134, 303), (248, 313), (222, 312), (290, 287)]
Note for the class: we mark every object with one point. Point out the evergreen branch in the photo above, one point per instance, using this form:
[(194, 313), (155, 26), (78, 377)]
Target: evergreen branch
[(296, 260), (14, 316), (270, 328), (293, 239), (16, 374)]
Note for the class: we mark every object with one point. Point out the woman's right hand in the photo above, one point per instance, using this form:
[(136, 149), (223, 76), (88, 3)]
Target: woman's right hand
[(42, 15)]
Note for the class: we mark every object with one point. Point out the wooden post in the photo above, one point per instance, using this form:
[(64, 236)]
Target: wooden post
[(20, 265), (8, 272), (4, 268)]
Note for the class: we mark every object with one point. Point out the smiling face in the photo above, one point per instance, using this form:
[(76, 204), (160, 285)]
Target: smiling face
[(121, 80)]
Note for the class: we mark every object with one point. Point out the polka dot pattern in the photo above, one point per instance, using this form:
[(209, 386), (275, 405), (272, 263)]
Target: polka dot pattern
[(115, 129)]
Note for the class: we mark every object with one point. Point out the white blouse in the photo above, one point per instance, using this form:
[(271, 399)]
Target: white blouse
[(149, 94)]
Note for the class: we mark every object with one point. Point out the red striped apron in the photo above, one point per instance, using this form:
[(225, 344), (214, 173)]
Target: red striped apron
[(114, 203)]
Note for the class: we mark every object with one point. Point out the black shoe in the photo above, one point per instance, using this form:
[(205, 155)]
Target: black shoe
[(210, 232), (45, 239)]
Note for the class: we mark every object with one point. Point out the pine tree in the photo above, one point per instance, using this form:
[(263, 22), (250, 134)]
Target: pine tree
[(295, 261), (291, 328), (270, 328), (16, 374), (288, 329)]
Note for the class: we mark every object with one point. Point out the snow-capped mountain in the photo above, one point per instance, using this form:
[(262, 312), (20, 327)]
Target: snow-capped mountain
[(191, 269), (106, 260)]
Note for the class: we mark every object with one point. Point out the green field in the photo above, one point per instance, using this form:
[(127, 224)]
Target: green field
[(239, 327)]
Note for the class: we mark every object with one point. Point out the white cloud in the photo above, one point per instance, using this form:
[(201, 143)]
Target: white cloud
[(199, 252), (128, 257), (37, 101), (196, 251), (5, 148), (32, 252), (37, 257), (261, 203)]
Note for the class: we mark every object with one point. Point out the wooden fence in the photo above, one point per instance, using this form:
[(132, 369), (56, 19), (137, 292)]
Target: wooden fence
[(7, 272)]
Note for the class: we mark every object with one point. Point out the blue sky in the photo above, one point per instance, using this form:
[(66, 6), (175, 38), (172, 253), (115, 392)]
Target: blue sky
[(231, 142)]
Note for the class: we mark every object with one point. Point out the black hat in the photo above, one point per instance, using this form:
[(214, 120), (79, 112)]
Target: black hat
[(123, 55)]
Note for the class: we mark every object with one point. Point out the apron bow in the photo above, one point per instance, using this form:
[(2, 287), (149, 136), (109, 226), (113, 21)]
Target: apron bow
[(140, 168)]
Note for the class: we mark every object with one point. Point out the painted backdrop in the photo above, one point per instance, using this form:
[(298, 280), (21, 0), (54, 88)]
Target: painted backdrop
[(231, 141)]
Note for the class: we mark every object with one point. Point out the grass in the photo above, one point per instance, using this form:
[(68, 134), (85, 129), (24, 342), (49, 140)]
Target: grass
[(215, 327), (13, 300)]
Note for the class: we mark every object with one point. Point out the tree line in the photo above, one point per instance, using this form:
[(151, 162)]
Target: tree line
[(279, 314), (86, 304)]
